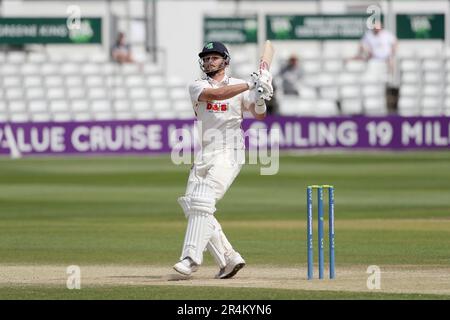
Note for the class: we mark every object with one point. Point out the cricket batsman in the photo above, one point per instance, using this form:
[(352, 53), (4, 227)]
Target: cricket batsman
[(219, 102)]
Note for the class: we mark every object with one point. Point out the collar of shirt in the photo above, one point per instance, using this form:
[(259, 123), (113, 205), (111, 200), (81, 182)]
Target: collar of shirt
[(224, 81)]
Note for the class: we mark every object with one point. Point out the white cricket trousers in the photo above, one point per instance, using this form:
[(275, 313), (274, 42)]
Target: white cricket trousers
[(219, 168)]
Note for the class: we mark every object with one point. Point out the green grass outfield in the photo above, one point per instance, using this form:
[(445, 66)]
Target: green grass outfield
[(391, 209)]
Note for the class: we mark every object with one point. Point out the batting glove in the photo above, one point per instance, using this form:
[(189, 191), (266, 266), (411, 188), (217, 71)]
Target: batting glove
[(264, 85), (253, 80)]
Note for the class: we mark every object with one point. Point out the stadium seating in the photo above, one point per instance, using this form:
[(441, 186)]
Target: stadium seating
[(346, 87), (52, 87), (358, 87), (43, 87), (424, 76)]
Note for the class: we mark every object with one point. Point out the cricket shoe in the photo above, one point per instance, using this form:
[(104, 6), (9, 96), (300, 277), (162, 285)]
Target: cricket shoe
[(234, 263), (186, 266)]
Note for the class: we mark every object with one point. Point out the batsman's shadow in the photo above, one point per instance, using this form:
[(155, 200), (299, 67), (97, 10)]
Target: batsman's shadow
[(137, 277), (177, 277)]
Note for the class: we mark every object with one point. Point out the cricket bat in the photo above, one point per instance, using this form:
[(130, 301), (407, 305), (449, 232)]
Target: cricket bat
[(266, 59), (267, 55)]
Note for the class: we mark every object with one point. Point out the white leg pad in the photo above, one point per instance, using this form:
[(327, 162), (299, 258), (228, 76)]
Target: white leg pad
[(200, 222), (218, 245), (198, 233), (185, 204)]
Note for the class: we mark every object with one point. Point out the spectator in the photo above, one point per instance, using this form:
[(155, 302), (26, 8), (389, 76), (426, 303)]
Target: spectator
[(290, 75), (378, 45), (121, 52)]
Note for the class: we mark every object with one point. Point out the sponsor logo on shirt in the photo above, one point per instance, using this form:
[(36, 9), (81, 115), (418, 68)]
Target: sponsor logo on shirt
[(217, 107)]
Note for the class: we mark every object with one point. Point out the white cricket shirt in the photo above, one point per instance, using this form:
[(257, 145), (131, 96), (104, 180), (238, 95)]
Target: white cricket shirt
[(220, 120)]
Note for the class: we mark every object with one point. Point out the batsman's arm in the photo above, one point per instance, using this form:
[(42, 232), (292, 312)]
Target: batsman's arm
[(223, 93)]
